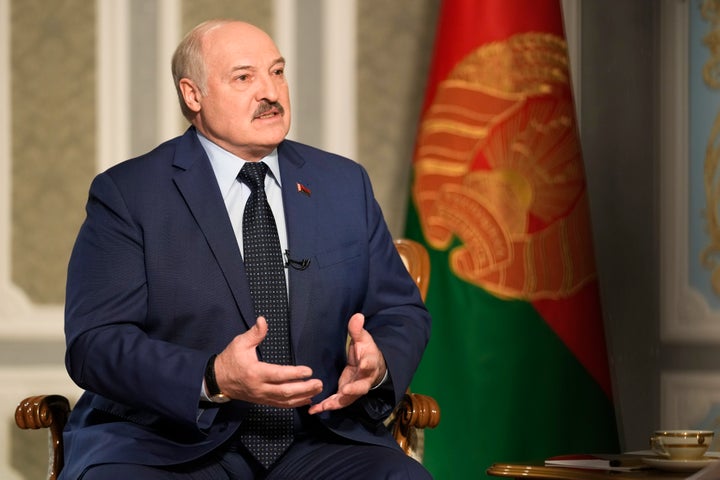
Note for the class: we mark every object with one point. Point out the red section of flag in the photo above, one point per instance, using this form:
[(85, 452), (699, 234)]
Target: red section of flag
[(577, 320), (465, 24)]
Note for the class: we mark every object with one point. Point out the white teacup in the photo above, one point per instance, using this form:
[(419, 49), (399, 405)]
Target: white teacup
[(681, 444)]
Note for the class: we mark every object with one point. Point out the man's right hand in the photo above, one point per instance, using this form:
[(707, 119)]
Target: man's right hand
[(241, 376)]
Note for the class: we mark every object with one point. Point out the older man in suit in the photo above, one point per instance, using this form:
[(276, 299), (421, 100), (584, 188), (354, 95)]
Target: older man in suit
[(190, 371)]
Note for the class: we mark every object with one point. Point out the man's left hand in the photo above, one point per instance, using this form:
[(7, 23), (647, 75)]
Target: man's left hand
[(364, 370)]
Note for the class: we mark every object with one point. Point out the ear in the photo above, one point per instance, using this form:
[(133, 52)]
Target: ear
[(191, 94)]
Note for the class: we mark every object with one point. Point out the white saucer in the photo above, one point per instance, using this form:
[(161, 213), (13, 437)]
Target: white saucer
[(679, 465)]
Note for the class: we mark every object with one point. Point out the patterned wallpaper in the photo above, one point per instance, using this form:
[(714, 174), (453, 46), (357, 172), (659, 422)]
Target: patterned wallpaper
[(257, 13), (52, 62)]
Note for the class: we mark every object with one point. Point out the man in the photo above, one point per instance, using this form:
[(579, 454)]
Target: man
[(166, 328)]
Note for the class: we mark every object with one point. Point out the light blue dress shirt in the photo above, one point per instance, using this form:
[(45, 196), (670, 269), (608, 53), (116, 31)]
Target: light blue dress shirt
[(235, 193)]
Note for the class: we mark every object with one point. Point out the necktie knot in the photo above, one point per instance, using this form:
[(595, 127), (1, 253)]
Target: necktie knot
[(253, 174)]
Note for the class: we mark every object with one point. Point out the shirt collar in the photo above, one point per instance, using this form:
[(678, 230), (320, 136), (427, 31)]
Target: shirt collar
[(227, 166)]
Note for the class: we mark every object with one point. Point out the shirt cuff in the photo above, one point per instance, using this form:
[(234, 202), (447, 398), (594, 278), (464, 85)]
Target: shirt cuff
[(380, 383)]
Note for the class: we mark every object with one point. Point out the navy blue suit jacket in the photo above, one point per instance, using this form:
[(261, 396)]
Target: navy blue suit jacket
[(156, 284)]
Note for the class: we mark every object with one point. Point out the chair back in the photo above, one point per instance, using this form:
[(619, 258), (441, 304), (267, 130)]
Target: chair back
[(417, 261)]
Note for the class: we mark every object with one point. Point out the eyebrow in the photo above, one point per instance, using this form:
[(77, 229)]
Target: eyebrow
[(250, 67)]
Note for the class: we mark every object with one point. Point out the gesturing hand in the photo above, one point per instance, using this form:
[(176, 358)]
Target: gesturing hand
[(365, 368), (241, 376)]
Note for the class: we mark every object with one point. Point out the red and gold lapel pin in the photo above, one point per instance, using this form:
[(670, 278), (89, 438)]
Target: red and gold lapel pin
[(303, 189)]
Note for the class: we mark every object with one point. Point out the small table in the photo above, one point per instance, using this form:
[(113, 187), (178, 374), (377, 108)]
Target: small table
[(537, 471)]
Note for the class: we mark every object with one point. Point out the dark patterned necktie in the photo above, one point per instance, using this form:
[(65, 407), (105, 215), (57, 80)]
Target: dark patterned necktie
[(266, 431)]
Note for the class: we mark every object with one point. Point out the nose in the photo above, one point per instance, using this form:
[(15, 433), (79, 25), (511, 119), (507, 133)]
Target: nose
[(267, 88)]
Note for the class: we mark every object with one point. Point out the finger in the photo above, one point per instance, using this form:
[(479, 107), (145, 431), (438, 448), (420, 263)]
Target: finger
[(355, 326), (317, 408), (281, 374), (290, 395), (333, 402), (329, 403), (357, 388), (306, 387), (257, 333), (359, 379), (292, 392)]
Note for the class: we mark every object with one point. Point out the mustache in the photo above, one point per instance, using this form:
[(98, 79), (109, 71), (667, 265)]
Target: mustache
[(266, 106)]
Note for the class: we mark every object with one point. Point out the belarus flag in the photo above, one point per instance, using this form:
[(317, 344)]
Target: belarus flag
[(517, 359)]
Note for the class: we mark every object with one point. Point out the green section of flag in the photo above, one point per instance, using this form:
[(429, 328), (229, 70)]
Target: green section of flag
[(508, 388)]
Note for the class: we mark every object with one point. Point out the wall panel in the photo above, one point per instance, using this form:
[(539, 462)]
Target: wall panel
[(395, 40)]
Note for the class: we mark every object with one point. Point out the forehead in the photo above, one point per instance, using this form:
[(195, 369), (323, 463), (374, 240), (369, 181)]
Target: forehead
[(239, 43)]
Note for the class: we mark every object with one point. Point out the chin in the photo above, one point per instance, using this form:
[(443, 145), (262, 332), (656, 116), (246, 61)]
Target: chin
[(276, 136)]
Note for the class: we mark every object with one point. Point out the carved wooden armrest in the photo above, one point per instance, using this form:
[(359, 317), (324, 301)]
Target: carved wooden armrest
[(46, 411), (414, 413)]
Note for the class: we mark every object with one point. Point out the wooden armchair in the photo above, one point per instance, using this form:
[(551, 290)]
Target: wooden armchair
[(414, 413)]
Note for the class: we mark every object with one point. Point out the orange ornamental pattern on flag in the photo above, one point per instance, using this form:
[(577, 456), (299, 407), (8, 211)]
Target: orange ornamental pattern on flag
[(498, 165)]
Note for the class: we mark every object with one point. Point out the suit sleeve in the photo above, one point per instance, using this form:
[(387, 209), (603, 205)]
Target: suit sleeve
[(395, 315), (108, 350)]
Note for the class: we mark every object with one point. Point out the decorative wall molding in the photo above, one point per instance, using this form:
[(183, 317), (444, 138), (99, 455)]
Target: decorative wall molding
[(340, 73), (690, 399), (284, 33), (169, 34), (685, 314), (113, 89)]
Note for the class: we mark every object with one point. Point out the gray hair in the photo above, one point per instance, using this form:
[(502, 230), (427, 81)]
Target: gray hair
[(188, 61)]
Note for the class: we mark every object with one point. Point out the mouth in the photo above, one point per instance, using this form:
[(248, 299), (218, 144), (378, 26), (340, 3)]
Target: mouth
[(267, 115), (268, 110)]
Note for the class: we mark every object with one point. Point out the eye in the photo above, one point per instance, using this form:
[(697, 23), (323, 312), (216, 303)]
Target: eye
[(243, 77), (279, 72)]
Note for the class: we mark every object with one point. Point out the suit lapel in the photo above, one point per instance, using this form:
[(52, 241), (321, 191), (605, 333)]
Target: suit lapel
[(300, 218), (197, 184)]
